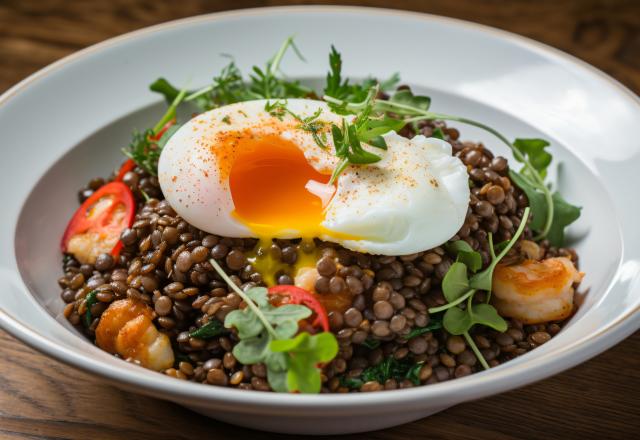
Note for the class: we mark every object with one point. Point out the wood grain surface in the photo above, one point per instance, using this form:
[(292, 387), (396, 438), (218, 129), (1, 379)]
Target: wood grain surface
[(43, 399)]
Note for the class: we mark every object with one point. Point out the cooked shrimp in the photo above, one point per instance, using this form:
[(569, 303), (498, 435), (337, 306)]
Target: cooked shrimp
[(535, 291), (126, 328)]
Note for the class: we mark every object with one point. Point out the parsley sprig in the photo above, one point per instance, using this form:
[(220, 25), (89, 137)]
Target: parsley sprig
[(268, 335)]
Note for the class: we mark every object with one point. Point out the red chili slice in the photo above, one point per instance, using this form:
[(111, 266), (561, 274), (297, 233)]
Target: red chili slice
[(159, 134), (102, 217), (124, 169), (296, 295)]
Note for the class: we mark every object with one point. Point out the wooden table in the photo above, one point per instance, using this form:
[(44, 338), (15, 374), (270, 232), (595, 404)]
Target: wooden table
[(41, 398)]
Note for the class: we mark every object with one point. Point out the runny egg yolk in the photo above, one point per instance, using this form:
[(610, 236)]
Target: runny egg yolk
[(267, 182)]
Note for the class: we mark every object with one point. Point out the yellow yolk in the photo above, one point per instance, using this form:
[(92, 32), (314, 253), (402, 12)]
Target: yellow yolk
[(267, 183), (268, 266)]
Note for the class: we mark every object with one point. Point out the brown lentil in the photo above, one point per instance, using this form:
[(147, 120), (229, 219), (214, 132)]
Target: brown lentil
[(164, 262)]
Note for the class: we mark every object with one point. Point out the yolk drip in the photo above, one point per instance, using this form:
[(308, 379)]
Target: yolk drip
[(269, 266), (267, 180), (267, 183)]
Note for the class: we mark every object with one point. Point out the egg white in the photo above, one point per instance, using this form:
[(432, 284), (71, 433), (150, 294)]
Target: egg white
[(414, 199)]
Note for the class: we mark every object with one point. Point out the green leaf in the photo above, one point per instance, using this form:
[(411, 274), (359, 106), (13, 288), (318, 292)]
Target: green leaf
[(253, 350), (143, 152), (486, 314), (405, 97), (90, 300), (378, 142), (535, 150), (455, 282), (465, 254), (373, 128), (371, 343), (210, 330), (414, 373), (563, 215), (167, 135), (287, 313), (363, 158), (484, 280), (537, 201), (259, 296), (165, 88), (245, 321), (336, 87), (277, 379), (456, 321), (435, 323), (390, 82), (305, 352), (438, 133), (388, 368)]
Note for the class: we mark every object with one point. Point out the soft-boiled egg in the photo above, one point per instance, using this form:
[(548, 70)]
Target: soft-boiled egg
[(242, 171)]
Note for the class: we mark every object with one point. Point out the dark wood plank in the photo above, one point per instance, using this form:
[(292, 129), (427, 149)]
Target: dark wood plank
[(43, 399)]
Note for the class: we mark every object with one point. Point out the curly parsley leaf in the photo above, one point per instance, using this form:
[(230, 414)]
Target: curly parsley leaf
[(305, 352), (144, 152), (336, 86)]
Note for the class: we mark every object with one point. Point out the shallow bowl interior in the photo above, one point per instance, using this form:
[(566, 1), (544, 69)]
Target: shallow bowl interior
[(60, 130)]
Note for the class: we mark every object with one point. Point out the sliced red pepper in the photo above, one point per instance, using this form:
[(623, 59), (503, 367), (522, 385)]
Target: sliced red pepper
[(124, 169), (87, 220), (295, 295), (156, 137)]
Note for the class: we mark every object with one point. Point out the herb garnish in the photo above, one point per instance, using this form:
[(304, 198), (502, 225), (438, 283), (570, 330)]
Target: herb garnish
[(435, 323), (229, 87), (371, 343), (145, 148), (388, 368), (458, 288), (89, 301), (267, 335), (372, 117), (210, 330), (408, 108), (310, 124)]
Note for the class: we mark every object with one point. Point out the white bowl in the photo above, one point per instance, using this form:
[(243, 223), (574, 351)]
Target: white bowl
[(68, 122)]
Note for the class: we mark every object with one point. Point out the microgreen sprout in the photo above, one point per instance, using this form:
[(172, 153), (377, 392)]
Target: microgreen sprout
[(458, 289), (269, 335)]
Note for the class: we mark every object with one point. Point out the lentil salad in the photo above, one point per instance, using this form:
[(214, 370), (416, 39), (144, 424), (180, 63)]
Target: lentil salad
[(386, 314)]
